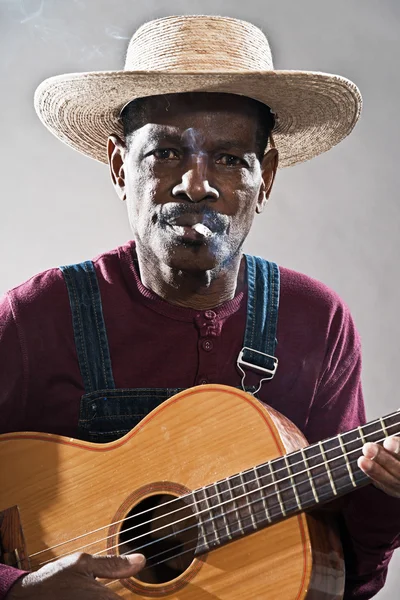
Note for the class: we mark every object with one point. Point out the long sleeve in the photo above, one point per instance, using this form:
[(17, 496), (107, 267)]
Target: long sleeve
[(8, 576), (370, 530), (370, 519), (11, 400), (12, 370)]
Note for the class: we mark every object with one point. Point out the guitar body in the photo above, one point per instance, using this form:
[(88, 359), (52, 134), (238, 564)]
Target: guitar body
[(65, 488)]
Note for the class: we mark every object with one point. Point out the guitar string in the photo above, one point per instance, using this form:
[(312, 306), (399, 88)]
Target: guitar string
[(188, 495), (217, 530), (196, 540), (193, 504), (209, 510), (233, 488), (291, 488)]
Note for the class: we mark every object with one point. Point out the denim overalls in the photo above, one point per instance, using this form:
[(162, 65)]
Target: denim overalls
[(106, 412)]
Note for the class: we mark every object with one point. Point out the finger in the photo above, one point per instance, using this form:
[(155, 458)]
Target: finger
[(390, 489), (380, 456), (110, 567), (393, 445), (379, 476)]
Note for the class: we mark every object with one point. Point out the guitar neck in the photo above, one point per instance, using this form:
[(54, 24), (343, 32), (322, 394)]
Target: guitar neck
[(268, 493)]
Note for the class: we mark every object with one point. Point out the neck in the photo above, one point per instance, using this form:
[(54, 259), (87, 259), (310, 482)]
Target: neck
[(268, 493), (200, 290)]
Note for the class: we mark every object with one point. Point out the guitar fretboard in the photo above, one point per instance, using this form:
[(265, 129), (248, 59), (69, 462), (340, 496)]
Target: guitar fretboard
[(268, 493)]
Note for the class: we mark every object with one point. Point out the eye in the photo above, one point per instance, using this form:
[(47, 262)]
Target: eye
[(166, 154), (229, 160)]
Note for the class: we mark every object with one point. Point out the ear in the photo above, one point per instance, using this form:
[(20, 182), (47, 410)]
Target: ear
[(116, 151), (269, 166)]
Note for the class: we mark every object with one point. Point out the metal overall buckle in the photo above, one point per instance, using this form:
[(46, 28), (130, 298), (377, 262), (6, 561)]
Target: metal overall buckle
[(269, 372)]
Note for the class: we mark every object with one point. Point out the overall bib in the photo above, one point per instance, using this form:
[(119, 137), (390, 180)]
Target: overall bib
[(106, 412)]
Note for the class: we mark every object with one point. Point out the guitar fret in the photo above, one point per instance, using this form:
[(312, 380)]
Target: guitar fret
[(235, 506), (242, 502), (249, 506), (264, 503), (230, 509), (278, 494), (211, 518), (373, 432), (347, 460), (293, 482), (327, 468), (314, 491), (361, 435), (343, 453), (392, 423), (220, 500), (384, 427), (200, 521)]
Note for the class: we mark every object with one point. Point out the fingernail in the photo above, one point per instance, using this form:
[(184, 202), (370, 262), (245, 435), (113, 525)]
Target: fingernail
[(136, 559), (392, 444), (370, 450), (365, 466)]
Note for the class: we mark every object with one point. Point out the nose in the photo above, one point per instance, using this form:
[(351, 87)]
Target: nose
[(194, 185)]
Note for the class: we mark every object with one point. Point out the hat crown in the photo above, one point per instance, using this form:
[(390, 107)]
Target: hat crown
[(198, 44)]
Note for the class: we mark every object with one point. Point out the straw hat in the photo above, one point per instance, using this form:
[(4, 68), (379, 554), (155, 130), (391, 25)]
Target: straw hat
[(314, 111)]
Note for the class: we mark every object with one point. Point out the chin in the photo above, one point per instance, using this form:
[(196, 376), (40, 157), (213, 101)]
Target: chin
[(194, 258)]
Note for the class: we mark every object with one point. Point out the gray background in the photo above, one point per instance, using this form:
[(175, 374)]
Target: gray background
[(336, 218)]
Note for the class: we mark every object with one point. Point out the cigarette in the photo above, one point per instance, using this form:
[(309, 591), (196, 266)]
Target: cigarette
[(202, 229)]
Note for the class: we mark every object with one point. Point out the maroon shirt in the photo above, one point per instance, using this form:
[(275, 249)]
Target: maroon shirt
[(156, 344)]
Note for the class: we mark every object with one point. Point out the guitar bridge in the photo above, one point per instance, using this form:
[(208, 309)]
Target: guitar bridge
[(12, 542)]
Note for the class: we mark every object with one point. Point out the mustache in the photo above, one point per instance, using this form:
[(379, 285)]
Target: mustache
[(212, 219)]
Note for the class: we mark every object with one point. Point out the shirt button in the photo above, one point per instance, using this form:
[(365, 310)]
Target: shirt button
[(203, 381), (210, 314), (207, 345)]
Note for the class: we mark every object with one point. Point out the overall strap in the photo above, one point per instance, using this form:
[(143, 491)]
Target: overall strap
[(258, 352), (89, 328)]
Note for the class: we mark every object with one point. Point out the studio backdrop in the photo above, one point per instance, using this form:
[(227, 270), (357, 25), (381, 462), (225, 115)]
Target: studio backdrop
[(335, 218)]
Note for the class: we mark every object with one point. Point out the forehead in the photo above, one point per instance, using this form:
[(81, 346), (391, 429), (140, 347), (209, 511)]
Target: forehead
[(204, 115)]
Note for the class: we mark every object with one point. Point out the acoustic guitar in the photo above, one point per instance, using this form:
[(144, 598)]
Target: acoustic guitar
[(212, 487)]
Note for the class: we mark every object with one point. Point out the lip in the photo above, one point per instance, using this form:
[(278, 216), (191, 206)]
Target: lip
[(213, 221), (185, 220)]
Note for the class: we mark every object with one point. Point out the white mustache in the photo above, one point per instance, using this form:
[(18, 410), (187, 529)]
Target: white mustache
[(209, 218)]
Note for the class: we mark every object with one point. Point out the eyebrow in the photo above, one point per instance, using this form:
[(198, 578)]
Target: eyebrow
[(223, 143)]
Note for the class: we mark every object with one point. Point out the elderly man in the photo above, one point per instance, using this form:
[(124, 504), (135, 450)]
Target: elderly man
[(193, 130)]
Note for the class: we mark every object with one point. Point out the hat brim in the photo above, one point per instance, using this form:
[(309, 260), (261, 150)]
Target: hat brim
[(315, 111)]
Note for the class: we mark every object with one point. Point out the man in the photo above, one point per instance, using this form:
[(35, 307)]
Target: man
[(194, 131)]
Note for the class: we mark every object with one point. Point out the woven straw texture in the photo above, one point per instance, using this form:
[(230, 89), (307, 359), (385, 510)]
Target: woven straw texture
[(314, 111)]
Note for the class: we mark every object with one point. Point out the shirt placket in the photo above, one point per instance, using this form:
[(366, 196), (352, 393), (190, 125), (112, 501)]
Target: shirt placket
[(209, 328)]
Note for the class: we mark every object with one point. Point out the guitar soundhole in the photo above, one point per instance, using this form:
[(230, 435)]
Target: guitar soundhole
[(165, 532)]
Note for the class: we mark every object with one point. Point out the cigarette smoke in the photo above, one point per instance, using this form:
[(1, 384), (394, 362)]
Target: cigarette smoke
[(193, 140), (65, 24)]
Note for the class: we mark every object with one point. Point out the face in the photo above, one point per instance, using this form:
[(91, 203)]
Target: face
[(192, 179)]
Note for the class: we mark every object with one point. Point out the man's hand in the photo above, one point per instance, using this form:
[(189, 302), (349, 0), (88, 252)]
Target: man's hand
[(73, 577), (382, 464)]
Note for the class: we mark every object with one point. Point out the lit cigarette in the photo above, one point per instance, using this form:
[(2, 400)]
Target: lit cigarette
[(202, 229)]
